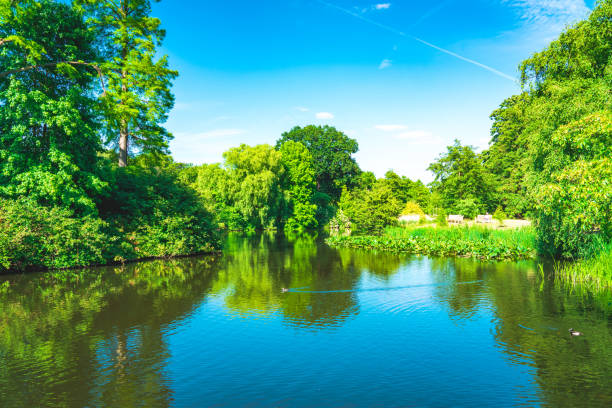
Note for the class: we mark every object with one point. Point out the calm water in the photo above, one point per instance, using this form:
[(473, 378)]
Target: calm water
[(356, 329)]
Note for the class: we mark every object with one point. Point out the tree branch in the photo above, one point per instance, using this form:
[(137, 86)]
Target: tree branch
[(51, 64)]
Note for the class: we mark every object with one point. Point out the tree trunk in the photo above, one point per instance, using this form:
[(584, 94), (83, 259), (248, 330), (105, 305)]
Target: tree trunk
[(123, 144)]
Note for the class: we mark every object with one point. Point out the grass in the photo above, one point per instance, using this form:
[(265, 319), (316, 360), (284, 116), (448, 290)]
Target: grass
[(595, 273), (473, 241)]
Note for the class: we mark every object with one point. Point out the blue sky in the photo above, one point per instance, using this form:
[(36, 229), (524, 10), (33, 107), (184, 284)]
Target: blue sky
[(404, 78)]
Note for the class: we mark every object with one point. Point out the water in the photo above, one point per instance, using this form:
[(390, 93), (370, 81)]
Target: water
[(356, 329)]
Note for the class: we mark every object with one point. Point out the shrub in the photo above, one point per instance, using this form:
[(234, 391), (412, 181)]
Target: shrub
[(499, 215), (157, 215), (36, 237), (413, 208), (441, 220)]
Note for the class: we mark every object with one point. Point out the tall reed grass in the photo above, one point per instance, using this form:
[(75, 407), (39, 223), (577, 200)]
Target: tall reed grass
[(595, 273)]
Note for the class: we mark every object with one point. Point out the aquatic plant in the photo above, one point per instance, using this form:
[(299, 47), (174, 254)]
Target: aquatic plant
[(475, 242), (595, 273)]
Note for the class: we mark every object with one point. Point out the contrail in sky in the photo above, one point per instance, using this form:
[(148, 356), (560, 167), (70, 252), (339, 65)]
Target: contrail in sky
[(412, 37)]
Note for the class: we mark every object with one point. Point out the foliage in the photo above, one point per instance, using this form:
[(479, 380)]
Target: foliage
[(35, 237), (441, 219), (48, 140), (468, 207), (301, 186), (476, 242), (574, 201), (405, 189), (499, 215), (247, 191), (507, 159), (595, 272), (138, 97), (331, 152), (549, 152), (340, 224), (371, 210), (460, 175), (158, 215), (148, 213), (412, 208)]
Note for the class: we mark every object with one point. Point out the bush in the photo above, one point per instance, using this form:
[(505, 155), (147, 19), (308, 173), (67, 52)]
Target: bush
[(157, 215), (441, 220), (499, 215), (37, 237), (412, 208)]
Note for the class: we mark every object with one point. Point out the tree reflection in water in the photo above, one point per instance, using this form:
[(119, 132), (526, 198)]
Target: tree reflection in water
[(100, 337)]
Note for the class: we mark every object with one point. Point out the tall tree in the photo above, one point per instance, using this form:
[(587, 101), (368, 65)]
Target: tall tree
[(138, 96), (301, 186), (332, 153), (48, 139), (460, 175)]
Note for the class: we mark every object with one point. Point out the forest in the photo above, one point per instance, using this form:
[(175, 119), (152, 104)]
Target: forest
[(86, 175)]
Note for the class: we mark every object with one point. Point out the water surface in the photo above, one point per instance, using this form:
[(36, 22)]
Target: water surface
[(355, 329)]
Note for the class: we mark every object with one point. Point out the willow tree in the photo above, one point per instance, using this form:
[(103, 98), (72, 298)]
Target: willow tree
[(137, 98)]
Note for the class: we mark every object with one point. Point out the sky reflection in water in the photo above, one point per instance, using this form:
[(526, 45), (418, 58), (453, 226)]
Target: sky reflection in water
[(356, 329)]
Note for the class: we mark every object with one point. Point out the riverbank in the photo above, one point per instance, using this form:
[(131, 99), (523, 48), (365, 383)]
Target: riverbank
[(474, 242), (595, 273)]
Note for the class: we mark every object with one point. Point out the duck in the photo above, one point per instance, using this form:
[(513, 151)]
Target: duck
[(285, 290), (573, 332)]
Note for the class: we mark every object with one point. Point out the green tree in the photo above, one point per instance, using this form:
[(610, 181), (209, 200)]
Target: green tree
[(257, 173), (574, 196), (459, 175), (371, 210), (331, 152), (507, 157), (548, 149), (48, 134), (138, 97), (300, 174), (407, 190)]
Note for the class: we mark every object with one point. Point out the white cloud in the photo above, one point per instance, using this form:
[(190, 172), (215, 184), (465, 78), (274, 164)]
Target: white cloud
[(324, 115), (302, 109), (211, 134), (386, 63), (391, 128), (550, 14), (413, 134), (382, 6)]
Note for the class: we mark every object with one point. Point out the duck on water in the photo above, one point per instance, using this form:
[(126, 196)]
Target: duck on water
[(573, 332)]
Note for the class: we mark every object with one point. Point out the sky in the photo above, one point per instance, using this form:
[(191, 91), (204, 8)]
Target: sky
[(404, 78)]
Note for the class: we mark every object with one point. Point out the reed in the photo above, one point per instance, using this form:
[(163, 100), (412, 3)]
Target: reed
[(595, 273)]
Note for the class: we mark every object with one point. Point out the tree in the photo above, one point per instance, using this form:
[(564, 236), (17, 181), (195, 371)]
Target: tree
[(48, 134), (548, 149), (371, 210), (138, 96), (256, 174), (407, 190), (459, 174), (301, 186), (331, 152), (507, 158), (574, 196)]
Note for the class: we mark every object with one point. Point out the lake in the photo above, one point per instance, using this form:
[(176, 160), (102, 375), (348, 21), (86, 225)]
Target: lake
[(355, 329)]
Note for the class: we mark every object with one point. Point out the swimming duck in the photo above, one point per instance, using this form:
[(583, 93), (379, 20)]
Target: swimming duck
[(573, 332), (285, 290)]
